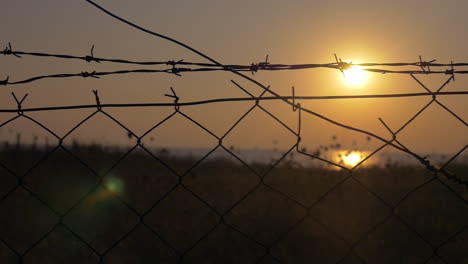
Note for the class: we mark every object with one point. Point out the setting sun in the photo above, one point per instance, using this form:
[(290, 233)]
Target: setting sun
[(350, 158), (355, 76)]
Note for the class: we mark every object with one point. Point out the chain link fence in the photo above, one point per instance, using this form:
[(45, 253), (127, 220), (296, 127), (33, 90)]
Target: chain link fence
[(69, 203)]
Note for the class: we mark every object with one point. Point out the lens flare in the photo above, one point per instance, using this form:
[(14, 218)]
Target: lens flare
[(114, 184)]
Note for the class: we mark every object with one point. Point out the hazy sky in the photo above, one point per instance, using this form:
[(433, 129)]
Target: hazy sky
[(238, 32)]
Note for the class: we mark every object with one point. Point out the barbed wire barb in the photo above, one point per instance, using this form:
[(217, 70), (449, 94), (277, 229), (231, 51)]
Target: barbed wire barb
[(425, 65), (175, 97), (98, 101), (9, 51), (294, 107), (90, 58), (19, 102), (5, 82)]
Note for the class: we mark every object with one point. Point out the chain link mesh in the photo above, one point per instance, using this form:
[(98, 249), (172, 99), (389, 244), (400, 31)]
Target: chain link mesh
[(64, 208)]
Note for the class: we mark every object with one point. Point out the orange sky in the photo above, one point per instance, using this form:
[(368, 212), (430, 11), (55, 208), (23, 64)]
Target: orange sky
[(238, 32)]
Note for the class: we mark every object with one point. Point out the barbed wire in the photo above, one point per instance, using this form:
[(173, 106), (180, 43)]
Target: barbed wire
[(178, 105), (423, 66), (423, 160)]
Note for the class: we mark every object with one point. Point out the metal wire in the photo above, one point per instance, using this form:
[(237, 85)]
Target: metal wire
[(222, 217), (207, 67)]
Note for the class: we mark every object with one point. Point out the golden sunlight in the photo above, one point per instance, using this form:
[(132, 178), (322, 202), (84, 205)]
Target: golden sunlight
[(350, 158), (355, 76)]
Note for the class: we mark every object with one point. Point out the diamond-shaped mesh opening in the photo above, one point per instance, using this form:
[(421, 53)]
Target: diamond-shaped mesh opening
[(24, 220), (221, 182), (7, 255), (350, 210), (60, 180), (335, 144), (219, 120), (61, 121), (386, 109), (21, 150), (458, 167), (310, 241), (4, 117), (141, 246), (393, 181), (393, 242), (364, 113), (181, 219), (439, 141), (282, 111), (270, 136), (179, 143), (303, 184), (456, 249), (8, 182), (93, 142), (101, 219), (434, 212), (456, 105), (265, 215), (140, 120), (61, 246), (141, 180), (225, 245)]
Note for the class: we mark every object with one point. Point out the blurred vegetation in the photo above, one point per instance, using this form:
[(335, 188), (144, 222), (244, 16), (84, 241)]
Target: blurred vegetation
[(102, 191)]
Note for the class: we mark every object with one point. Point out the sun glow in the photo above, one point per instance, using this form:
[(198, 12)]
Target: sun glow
[(350, 158), (355, 76)]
